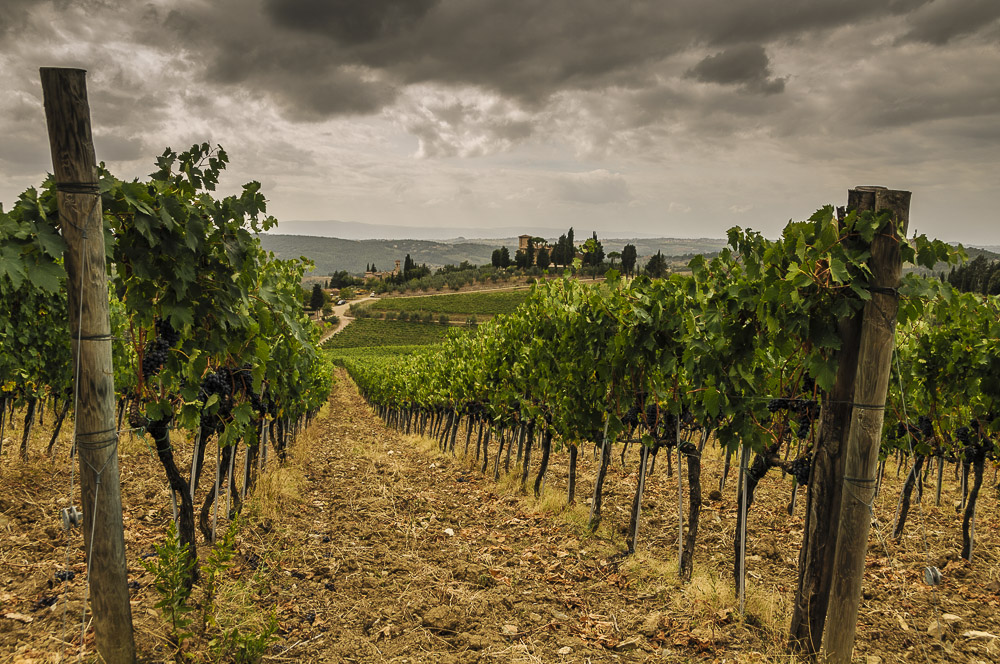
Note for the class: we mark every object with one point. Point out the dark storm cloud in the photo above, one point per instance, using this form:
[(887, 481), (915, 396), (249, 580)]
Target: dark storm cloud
[(348, 21), (116, 103), (329, 91), (528, 49), (722, 23), (944, 20), (344, 57), (567, 104), (746, 65), (308, 75), (949, 88)]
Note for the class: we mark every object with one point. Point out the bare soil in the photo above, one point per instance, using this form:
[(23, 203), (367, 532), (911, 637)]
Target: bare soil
[(371, 546)]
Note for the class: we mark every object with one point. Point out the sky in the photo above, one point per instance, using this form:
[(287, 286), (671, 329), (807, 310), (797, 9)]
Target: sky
[(679, 118)]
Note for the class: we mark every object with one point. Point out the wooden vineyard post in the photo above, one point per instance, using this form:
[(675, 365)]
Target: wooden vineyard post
[(868, 409), (822, 495), (67, 114)]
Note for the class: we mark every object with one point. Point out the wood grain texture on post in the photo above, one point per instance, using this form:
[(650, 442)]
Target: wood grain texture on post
[(823, 493), (67, 115), (868, 410)]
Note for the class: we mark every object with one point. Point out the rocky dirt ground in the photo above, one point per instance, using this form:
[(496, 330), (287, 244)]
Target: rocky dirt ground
[(370, 546)]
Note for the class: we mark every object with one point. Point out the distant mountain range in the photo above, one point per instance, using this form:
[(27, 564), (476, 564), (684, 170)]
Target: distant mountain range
[(333, 254)]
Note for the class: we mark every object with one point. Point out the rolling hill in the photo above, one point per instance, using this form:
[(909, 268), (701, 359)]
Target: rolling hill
[(333, 254)]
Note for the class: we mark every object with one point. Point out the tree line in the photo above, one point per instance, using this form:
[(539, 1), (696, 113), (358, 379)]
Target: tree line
[(977, 276), (590, 253)]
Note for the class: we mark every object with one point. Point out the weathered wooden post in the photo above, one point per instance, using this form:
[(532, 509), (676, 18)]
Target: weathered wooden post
[(67, 114), (868, 409), (823, 493)]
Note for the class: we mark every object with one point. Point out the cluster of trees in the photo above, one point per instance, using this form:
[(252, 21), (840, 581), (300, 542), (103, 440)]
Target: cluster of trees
[(410, 271), (564, 250), (344, 279), (591, 253), (592, 256), (627, 256), (977, 276), (461, 267), (414, 277), (501, 258), (536, 255), (561, 254), (529, 257), (656, 266), (317, 298)]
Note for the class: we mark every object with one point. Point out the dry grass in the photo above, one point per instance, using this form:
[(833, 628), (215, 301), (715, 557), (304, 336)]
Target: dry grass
[(707, 600), (398, 504)]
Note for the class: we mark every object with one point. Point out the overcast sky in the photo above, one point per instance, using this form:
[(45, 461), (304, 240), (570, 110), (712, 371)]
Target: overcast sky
[(673, 117)]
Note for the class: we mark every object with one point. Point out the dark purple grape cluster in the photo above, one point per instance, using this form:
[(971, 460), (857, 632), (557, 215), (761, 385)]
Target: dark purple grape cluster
[(803, 425), (977, 445), (242, 381), (472, 408), (217, 382), (631, 418), (926, 427), (808, 407), (662, 425), (668, 429), (922, 430), (155, 355), (798, 406), (167, 332), (807, 410), (651, 417), (799, 468), (635, 412)]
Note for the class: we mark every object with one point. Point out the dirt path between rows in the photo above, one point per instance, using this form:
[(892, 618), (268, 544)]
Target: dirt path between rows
[(428, 561), (371, 546)]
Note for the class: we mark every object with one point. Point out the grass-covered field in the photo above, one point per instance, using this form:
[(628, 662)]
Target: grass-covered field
[(455, 305), (378, 352), (369, 332)]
